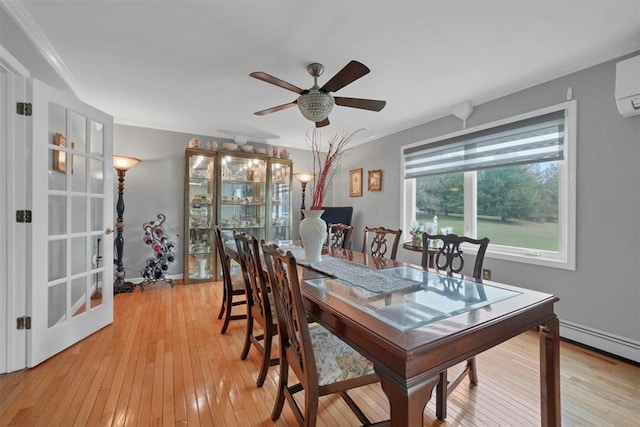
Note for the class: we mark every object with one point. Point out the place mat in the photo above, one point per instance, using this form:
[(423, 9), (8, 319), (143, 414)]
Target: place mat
[(364, 276)]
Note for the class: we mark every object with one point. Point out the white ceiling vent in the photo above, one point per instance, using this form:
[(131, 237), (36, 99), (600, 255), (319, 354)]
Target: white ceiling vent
[(628, 86)]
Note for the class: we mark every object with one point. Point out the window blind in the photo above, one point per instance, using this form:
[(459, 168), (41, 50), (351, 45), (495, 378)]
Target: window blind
[(532, 140)]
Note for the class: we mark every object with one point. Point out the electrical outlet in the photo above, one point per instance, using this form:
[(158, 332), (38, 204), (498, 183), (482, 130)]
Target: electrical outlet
[(486, 274)]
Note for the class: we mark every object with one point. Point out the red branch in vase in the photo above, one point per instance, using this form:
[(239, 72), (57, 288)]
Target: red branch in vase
[(325, 166)]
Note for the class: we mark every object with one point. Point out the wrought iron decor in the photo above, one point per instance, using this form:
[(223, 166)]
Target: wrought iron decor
[(157, 266)]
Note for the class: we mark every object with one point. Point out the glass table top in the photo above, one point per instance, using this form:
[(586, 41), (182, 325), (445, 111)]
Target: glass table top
[(435, 297)]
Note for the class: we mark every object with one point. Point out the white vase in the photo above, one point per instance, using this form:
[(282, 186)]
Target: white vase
[(313, 232)]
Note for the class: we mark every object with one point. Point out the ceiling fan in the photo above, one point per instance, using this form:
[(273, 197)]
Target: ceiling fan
[(316, 103)]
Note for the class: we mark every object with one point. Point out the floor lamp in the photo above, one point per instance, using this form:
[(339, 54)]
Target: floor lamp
[(121, 164), (304, 178)]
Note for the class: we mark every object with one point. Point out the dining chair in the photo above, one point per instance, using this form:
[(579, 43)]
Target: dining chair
[(449, 256), (449, 259), (260, 308), (339, 235), (233, 290), (322, 362), (376, 242)]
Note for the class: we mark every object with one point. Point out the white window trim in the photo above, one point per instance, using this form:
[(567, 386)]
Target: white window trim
[(565, 258)]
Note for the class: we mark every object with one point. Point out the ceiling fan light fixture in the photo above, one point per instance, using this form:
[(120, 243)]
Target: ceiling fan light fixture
[(315, 105)]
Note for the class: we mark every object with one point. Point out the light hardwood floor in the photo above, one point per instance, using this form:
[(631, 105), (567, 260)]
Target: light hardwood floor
[(164, 362)]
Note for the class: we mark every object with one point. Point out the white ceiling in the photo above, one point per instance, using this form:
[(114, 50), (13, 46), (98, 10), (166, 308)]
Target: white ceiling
[(184, 65)]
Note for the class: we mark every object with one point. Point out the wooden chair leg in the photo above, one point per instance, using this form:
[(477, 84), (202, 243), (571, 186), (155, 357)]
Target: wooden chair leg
[(473, 373), (227, 312), (310, 408), (266, 359), (441, 396), (282, 383), (223, 306), (247, 337)]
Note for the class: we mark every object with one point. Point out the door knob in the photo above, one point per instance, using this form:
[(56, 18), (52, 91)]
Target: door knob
[(109, 230)]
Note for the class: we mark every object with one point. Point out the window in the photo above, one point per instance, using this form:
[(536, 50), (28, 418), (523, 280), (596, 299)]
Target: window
[(512, 181)]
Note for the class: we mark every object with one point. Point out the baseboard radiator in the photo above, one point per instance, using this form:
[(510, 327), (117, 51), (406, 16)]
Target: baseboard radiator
[(607, 342)]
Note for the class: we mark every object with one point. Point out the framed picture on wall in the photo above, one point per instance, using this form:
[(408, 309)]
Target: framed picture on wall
[(374, 183), (60, 157), (355, 182)]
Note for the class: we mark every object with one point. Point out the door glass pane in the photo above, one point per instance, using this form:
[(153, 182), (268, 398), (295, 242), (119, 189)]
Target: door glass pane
[(78, 133), (57, 217), (78, 173), (96, 289), (97, 221), (97, 176), (78, 214), (57, 122), (78, 255), (57, 304), (280, 202), (57, 168), (97, 137), (78, 296), (57, 257)]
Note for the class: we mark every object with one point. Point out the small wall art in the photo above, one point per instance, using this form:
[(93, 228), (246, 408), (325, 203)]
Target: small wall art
[(355, 182), (375, 180)]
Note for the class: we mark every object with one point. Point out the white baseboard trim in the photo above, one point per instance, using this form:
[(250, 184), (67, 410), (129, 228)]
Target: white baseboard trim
[(617, 345)]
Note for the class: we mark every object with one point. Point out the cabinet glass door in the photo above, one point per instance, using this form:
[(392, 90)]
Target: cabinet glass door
[(242, 196), (200, 194), (280, 203)]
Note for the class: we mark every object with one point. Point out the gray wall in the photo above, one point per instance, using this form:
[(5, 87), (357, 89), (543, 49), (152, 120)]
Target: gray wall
[(604, 291), (156, 186)]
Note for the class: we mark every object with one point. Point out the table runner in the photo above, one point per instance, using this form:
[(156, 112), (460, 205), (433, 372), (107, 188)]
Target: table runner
[(362, 275)]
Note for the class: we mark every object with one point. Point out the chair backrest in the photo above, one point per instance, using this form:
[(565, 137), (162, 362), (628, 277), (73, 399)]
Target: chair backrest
[(254, 278), (379, 238), (449, 257), (339, 235), (225, 260), (293, 329)]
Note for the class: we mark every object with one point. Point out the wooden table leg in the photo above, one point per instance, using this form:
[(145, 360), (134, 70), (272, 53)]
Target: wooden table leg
[(550, 373), (407, 400)]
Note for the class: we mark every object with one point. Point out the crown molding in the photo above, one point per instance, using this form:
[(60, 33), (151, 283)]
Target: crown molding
[(25, 21)]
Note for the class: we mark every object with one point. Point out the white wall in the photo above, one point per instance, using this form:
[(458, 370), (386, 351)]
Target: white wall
[(601, 299)]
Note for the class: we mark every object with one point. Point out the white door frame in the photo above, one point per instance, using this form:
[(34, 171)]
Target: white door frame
[(13, 161)]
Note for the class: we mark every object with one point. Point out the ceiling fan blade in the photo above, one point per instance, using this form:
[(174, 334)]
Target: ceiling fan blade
[(274, 109), (364, 104), (350, 73), (275, 81), (325, 122)]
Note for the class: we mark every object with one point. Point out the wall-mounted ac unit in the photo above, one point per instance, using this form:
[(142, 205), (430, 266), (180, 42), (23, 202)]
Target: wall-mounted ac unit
[(628, 86)]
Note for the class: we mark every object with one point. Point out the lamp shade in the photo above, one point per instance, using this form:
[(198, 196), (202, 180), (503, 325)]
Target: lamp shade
[(124, 163), (315, 105), (303, 177)]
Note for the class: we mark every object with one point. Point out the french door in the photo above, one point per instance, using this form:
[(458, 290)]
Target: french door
[(70, 249)]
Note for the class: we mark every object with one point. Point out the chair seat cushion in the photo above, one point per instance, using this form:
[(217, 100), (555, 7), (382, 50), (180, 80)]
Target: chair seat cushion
[(335, 359)]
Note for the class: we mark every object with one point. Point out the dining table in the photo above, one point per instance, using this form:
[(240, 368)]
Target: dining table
[(414, 322)]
